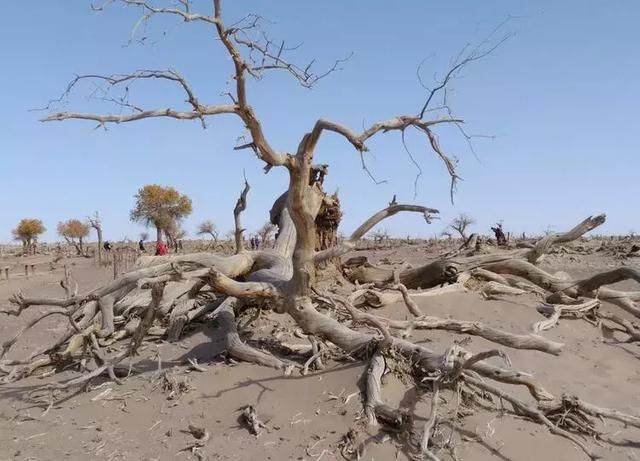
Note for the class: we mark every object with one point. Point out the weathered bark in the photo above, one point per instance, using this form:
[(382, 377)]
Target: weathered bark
[(555, 312), (241, 205), (368, 297), (592, 287), (361, 231), (327, 223), (515, 341), (430, 275), (543, 245), (225, 317)]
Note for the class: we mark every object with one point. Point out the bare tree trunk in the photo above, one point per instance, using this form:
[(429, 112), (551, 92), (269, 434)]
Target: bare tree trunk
[(427, 276), (241, 205), (97, 225), (72, 242)]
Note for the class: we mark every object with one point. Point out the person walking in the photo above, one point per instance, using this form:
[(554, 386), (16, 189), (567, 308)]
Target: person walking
[(161, 248)]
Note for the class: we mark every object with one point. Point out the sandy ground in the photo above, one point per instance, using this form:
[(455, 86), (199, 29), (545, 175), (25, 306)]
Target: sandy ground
[(306, 416)]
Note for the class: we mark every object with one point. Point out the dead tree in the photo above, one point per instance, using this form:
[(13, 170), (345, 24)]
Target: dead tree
[(94, 221), (208, 227), (241, 205), (461, 223), (265, 233), (168, 291)]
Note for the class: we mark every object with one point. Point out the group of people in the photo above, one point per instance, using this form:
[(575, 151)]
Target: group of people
[(161, 247), (255, 242)]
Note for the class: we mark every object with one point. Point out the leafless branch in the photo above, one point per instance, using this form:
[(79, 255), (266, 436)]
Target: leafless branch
[(366, 226), (482, 50), (149, 10), (400, 123)]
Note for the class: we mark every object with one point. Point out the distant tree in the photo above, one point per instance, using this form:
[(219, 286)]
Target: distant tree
[(208, 227), (74, 231), (380, 235), (174, 233), (446, 233), (266, 231), (161, 207), (144, 235), (461, 223), (27, 232)]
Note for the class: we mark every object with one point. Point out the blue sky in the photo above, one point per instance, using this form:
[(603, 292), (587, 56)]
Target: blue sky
[(560, 97)]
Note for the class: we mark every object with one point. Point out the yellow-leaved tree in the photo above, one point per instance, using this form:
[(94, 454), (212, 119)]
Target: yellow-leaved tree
[(74, 232), (27, 231), (161, 207)]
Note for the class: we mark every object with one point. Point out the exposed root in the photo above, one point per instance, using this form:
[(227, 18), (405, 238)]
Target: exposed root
[(428, 427), (531, 412), (556, 311), (491, 290), (516, 341), (236, 348), (377, 298)]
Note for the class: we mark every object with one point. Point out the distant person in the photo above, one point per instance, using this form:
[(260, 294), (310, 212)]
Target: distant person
[(257, 243), (107, 246), (161, 249), (141, 246), (252, 241), (500, 237)]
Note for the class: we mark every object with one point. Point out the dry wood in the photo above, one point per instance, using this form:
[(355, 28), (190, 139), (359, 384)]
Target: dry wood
[(629, 328), (556, 311), (241, 205), (543, 246)]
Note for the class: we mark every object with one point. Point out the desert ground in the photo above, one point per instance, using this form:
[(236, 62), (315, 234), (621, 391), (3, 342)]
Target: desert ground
[(317, 416)]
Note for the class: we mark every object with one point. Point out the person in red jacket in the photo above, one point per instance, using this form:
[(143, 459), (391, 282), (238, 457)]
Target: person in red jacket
[(161, 249)]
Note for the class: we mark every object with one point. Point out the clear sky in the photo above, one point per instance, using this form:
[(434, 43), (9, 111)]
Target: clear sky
[(560, 97)]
